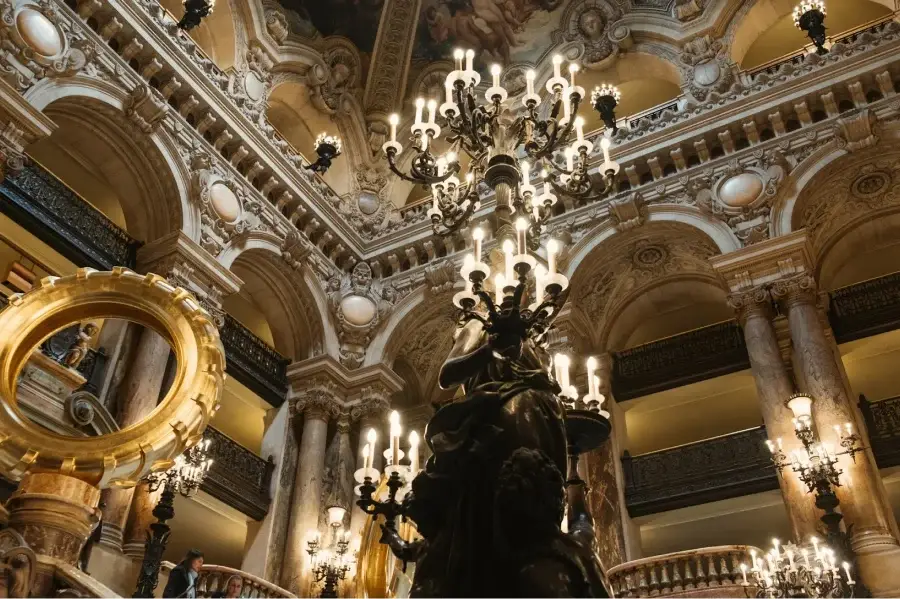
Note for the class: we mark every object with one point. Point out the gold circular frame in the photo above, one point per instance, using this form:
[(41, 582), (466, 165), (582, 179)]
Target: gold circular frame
[(120, 458)]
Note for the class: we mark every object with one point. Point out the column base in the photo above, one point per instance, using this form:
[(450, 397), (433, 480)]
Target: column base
[(878, 557), (54, 513)]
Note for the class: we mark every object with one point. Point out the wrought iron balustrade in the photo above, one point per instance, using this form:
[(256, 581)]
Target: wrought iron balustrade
[(883, 424), (719, 468), (56, 215), (866, 308), (238, 477), (252, 362), (675, 361)]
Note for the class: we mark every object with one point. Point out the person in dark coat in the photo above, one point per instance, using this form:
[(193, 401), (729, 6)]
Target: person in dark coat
[(183, 577)]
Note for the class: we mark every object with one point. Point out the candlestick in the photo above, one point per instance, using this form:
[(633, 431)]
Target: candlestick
[(539, 273), (432, 109), (394, 119), (526, 172), (521, 229), (395, 437), (499, 284), (448, 90), (367, 452), (570, 159), (567, 110), (847, 572), (573, 68), (441, 164), (470, 59), (495, 73), (458, 54), (754, 566), (744, 573), (563, 361), (552, 248), (529, 81), (508, 248), (557, 65), (591, 367), (424, 141), (371, 437), (478, 237), (413, 453), (420, 104), (579, 128)]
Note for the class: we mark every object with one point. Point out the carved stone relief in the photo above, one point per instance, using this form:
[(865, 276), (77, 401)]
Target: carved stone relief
[(358, 304)]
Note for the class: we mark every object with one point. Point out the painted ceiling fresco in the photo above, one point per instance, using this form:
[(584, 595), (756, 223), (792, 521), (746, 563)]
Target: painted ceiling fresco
[(354, 19)]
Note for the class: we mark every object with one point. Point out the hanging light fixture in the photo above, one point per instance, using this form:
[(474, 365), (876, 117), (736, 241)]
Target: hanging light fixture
[(331, 564), (809, 17), (194, 12), (792, 571), (328, 147), (605, 99)]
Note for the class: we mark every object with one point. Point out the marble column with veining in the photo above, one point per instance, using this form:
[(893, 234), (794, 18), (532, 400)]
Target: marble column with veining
[(862, 495), (774, 387), (138, 396), (307, 495)]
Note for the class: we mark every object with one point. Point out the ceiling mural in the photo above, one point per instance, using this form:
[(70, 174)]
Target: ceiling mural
[(504, 31), (356, 20)]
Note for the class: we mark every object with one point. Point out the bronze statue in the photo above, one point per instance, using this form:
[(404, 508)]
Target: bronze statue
[(489, 503)]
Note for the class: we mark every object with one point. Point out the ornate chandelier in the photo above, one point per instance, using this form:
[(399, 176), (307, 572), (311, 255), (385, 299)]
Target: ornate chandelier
[(799, 572), (330, 565), (809, 17), (505, 145)]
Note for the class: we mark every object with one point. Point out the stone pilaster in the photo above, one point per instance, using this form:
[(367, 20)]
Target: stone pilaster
[(774, 386), (21, 124)]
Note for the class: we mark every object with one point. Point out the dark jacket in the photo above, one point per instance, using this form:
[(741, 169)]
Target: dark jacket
[(179, 582)]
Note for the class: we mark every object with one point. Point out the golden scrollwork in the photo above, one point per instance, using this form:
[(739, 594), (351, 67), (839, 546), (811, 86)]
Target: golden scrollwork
[(122, 457)]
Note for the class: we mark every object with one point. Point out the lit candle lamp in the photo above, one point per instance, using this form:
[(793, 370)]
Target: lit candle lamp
[(394, 120), (499, 284), (744, 573), (562, 361), (557, 65), (458, 54), (529, 81), (579, 128), (478, 237), (526, 172), (521, 230), (552, 249), (539, 273), (591, 367), (366, 453), (847, 572), (413, 453), (371, 437), (573, 68), (570, 159), (508, 249), (470, 60), (395, 437), (495, 74), (420, 105), (448, 90), (432, 110)]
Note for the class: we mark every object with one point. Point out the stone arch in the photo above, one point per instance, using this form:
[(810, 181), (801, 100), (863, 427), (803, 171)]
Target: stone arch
[(290, 301), (765, 30), (146, 183), (851, 213), (645, 284)]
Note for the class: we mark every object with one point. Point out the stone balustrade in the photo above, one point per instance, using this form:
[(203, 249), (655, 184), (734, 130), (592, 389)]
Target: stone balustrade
[(707, 572), (215, 578)]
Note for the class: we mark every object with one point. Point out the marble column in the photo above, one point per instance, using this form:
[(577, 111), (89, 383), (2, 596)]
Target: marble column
[(774, 387), (140, 516), (138, 396), (307, 494), (862, 494)]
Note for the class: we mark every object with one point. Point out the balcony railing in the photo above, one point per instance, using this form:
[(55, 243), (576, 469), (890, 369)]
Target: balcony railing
[(687, 358), (238, 477), (252, 362), (56, 215), (866, 308), (719, 468), (883, 423), (213, 581)]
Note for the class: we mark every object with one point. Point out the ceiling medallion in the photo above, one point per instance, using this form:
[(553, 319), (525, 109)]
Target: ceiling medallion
[(650, 256), (870, 184)]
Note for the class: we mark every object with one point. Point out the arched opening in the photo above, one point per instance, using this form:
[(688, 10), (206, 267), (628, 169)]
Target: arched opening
[(767, 32), (292, 113), (215, 35), (112, 165)]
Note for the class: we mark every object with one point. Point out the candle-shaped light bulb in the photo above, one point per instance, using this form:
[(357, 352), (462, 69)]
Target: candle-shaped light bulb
[(775, 543), (529, 81), (470, 60), (395, 437), (441, 164), (499, 284), (849, 428), (468, 263), (469, 177), (448, 90), (367, 456), (846, 567), (451, 157), (557, 65), (771, 446), (539, 273), (495, 73), (744, 573), (567, 110), (521, 230), (459, 54), (420, 105), (573, 68), (413, 452), (432, 110), (478, 237), (570, 159), (591, 367), (526, 172), (508, 248), (579, 128), (562, 361), (552, 249), (394, 120)]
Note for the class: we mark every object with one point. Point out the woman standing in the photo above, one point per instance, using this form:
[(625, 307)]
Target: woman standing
[(183, 577)]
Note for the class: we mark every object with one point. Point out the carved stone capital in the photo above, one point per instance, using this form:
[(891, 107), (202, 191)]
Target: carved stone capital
[(795, 290), (319, 402), (343, 423), (756, 301)]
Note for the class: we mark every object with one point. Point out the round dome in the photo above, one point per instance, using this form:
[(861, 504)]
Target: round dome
[(39, 32), (358, 310), (224, 202), (740, 190)]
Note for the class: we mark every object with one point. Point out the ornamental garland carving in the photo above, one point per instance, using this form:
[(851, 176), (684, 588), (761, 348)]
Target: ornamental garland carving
[(39, 41)]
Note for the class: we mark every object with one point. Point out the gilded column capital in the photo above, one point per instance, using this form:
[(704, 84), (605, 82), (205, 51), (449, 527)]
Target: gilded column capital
[(796, 290), (756, 301)]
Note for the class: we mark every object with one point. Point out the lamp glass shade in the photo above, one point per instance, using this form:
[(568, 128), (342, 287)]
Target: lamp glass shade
[(336, 515), (801, 405)]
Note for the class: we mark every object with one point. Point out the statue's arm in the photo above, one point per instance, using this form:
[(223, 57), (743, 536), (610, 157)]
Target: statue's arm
[(407, 551), (579, 520), (469, 355)]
